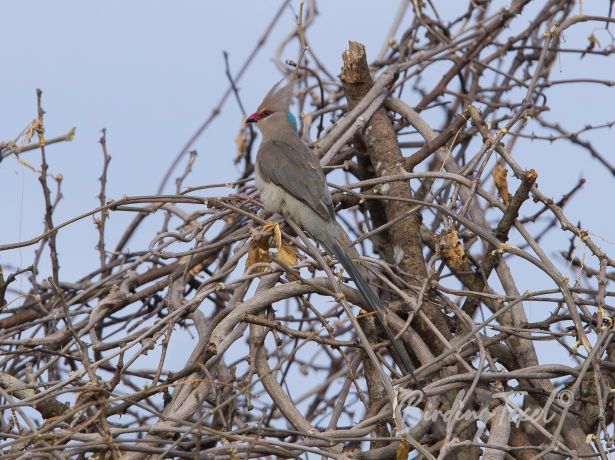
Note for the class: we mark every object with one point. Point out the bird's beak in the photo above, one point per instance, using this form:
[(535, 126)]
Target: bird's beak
[(253, 118)]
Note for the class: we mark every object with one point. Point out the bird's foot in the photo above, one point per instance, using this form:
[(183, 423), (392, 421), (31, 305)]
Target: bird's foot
[(247, 199)]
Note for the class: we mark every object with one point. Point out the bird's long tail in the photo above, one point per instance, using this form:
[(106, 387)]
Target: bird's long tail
[(374, 302)]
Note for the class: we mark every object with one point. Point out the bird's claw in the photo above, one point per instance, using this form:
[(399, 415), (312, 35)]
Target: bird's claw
[(247, 199)]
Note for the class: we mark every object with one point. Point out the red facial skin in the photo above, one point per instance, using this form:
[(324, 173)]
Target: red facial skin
[(256, 116)]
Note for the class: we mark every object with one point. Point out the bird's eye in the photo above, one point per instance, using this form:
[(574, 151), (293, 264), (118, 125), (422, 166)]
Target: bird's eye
[(266, 113)]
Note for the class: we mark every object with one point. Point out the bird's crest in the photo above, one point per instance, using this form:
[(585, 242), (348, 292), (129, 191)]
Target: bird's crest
[(278, 98)]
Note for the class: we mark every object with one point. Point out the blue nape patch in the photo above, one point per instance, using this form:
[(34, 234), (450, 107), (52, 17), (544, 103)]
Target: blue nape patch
[(291, 119)]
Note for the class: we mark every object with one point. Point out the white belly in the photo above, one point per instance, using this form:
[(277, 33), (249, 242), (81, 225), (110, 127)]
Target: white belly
[(272, 196)]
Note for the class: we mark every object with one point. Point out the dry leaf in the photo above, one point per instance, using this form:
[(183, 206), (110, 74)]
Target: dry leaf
[(258, 252), (277, 233), (403, 450), (451, 248), (287, 255), (242, 141), (258, 249), (194, 271), (499, 178), (591, 45)]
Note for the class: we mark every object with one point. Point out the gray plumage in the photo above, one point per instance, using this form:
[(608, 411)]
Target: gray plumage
[(291, 182)]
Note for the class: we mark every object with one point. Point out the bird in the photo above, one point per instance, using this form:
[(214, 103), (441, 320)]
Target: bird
[(292, 183)]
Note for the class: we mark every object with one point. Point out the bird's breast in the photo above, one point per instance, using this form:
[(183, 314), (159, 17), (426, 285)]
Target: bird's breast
[(272, 196)]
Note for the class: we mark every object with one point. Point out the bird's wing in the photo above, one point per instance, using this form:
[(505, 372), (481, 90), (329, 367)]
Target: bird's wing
[(297, 170)]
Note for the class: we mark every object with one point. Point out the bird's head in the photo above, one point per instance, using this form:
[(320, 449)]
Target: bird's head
[(275, 108)]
